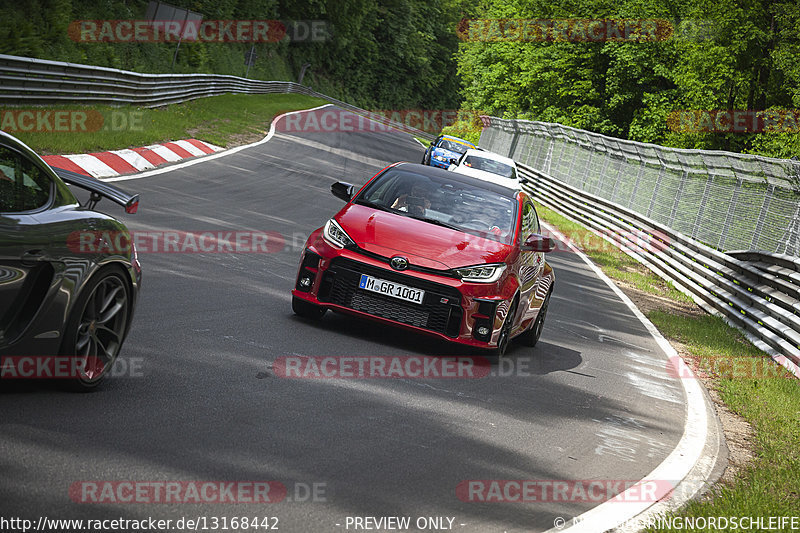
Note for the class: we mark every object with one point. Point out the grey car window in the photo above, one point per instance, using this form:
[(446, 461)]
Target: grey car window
[(23, 186)]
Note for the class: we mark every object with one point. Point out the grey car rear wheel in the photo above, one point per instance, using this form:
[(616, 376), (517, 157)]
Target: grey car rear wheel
[(96, 328)]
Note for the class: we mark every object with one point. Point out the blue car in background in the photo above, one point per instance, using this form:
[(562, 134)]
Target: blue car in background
[(443, 149)]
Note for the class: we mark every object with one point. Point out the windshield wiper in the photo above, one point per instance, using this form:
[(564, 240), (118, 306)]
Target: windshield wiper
[(438, 223), (367, 203)]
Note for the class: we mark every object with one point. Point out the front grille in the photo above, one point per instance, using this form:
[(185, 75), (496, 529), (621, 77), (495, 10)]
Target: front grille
[(440, 310), (413, 267)]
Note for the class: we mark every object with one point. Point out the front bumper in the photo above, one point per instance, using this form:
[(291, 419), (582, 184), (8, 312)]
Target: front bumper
[(451, 310)]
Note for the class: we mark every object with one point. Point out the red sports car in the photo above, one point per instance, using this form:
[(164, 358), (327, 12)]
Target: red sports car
[(432, 251)]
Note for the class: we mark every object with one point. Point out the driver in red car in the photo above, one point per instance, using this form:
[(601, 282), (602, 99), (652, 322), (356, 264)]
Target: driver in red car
[(415, 202)]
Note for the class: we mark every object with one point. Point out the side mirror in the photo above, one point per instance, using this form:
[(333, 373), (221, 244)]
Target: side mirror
[(538, 243), (343, 190), (453, 161)]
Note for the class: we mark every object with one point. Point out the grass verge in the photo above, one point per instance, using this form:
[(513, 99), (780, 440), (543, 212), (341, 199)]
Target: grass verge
[(225, 120), (615, 263), (745, 380)]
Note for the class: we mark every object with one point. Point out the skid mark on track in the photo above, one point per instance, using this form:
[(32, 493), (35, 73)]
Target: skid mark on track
[(624, 438), (347, 154)]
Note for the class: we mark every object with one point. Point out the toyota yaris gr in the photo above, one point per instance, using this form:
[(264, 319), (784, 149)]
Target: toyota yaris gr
[(433, 251)]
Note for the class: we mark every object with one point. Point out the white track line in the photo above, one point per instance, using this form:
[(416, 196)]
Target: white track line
[(677, 466), (210, 156)]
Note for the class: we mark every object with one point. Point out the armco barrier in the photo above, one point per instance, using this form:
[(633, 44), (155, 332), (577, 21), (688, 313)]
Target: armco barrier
[(759, 293), (30, 81), (727, 200)]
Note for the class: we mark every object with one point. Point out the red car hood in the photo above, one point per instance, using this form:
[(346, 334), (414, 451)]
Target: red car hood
[(424, 244)]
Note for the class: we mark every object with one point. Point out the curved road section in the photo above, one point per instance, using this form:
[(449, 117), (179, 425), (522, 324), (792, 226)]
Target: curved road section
[(199, 424)]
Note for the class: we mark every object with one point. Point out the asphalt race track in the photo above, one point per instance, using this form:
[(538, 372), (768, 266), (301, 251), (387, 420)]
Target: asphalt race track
[(198, 399)]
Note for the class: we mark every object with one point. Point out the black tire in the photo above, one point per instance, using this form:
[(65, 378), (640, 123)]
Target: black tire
[(96, 328), (426, 158), (505, 332), (531, 337), (307, 310)]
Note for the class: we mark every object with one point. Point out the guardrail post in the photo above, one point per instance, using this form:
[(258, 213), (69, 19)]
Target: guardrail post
[(674, 212), (792, 240), (761, 216), (635, 190), (729, 216), (541, 143), (548, 159), (701, 210), (619, 179), (514, 139), (655, 192), (571, 165)]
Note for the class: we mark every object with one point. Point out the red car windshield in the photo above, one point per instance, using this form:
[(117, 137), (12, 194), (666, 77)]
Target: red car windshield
[(467, 207)]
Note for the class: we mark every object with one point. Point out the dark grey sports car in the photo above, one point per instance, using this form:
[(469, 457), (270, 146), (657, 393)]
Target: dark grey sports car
[(66, 303)]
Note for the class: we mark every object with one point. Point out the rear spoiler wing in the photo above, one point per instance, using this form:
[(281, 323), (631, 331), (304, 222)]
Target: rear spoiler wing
[(99, 189)]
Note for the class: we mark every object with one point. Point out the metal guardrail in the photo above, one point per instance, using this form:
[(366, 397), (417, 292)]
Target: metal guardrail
[(758, 293), (30, 81), (729, 201)]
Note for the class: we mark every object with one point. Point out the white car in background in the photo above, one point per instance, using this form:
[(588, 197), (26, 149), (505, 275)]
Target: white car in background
[(488, 166)]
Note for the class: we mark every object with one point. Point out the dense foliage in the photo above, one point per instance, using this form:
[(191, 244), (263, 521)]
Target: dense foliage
[(399, 54), (385, 54), (723, 55)]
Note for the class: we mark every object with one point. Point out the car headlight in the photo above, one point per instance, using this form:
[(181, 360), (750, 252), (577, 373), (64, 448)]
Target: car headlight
[(481, 273), (440, 158), (334, 234)]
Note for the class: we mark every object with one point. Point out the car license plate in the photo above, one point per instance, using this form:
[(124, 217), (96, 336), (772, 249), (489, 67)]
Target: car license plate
[(390, 288)]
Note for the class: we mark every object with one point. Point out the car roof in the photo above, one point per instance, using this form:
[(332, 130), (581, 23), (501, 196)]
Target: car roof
[(436, 172), (458, 140), (491, 155), (483, 175)]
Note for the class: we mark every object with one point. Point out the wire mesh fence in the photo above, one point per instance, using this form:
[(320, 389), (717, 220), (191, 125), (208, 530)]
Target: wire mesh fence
[(725, 200)]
